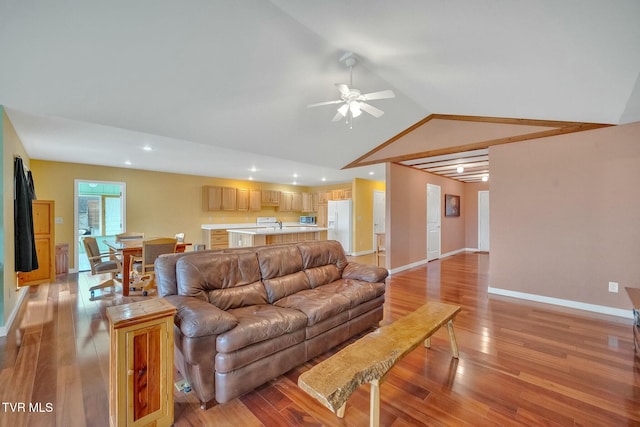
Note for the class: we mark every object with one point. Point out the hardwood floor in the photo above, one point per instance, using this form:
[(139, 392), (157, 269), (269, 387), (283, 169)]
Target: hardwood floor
[(520, 363)]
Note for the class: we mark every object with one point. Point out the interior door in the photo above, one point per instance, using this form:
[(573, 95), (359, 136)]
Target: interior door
[(378, 215), (483, 221), (433, 221)]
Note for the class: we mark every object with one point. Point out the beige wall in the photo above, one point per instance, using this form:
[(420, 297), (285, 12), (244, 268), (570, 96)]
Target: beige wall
[(406, 224), (158, 204), (363, 213), (11, 146), (565, 215), (470, 208)]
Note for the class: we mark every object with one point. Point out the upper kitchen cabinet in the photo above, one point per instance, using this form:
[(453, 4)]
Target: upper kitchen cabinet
[(242, 199), (296, 202), (309, 202), (271, 198), (255, 200), (286, 202), (219, 198)]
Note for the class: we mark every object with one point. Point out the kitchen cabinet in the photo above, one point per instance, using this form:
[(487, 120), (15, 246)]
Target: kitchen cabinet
[(308, 202), (296, 202), (324, 197), (242, 199), (228, 199), (286, 202), (341, 194), (322, 215), (141, 363), (215, 239), (255, 200), (271, 198), (219, 198), (44, 236)]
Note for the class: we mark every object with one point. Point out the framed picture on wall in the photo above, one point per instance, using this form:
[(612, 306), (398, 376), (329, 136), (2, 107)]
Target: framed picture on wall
[(451, 205)]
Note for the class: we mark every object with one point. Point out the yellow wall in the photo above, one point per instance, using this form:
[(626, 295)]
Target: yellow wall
[(363, 213), (158, 203), (11, 146)]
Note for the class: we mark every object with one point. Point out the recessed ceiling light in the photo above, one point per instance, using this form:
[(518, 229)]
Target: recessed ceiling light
[(295, 175), (250, 178), (147, 148), (372, 173), (485, 178), (460, 169), (127, 162), (323, 179), (253, 169), (294, 183)]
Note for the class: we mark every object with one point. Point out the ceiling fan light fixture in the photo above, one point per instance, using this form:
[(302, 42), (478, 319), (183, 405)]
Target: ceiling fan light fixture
[(355, 109), (460, 169)]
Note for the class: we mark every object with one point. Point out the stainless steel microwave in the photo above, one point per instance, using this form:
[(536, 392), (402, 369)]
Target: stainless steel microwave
[(306, 220)]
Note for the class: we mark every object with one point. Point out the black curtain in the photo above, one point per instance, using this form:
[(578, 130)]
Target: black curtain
[(24, 193)]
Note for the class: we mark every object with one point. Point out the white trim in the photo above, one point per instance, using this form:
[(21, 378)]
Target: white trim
[(4, 329), (454, 252), (564, 303), (370, 251)]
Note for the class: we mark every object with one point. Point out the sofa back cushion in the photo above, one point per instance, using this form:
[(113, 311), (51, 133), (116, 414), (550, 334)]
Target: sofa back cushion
[(323, 261), (281, 269), (226, 280)]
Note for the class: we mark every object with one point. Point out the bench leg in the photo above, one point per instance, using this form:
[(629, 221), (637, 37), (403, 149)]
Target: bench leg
[(374, 404), (452, 339), (340, 412)]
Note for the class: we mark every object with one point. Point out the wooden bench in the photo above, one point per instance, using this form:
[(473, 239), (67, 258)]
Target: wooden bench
[(369, 359)]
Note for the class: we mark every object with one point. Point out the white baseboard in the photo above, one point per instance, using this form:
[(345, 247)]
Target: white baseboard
[(563, 302), (408, 266), (4, 329), (370, 251), (458, 251)]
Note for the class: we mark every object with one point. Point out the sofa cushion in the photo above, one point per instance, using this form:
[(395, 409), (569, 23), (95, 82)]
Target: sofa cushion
[(280, 287), (279, 261), (257, 323), (322, 252), (226, 280), (316, 305), (356, 291), (322, 275)]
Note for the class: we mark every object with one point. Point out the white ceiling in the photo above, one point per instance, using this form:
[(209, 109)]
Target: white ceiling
[(219, 87)]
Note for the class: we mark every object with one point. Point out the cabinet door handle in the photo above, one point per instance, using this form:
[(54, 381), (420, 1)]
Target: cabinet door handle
[(130, 372)]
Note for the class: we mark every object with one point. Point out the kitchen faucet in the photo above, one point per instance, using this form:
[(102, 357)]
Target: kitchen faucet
[(279, 224)]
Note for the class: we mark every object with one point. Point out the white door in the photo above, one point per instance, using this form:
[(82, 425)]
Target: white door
[(378, 215), (483, 221), (433, 221)]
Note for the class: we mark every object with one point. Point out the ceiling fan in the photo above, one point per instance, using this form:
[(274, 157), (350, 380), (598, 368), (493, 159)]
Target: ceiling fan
[(353, 102)]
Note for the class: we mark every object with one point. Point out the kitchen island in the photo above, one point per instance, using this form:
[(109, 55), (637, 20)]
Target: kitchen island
[(243, 237)]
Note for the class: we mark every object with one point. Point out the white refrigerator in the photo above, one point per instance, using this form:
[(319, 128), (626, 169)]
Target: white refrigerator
[(339, 223)]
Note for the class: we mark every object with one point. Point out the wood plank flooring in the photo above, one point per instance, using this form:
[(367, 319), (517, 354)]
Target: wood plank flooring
[(520, 363)]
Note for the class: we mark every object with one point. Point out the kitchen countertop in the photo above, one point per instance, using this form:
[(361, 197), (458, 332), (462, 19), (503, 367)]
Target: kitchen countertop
[(286, 229), (250, 225)]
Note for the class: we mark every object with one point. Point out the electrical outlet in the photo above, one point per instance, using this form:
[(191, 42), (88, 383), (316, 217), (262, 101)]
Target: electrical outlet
[(183, 385), (613, 287)]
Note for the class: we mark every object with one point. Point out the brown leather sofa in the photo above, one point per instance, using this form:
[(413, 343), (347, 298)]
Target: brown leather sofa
[(245, 316)]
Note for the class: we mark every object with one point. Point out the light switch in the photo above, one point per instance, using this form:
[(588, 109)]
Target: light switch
[(58, 220)]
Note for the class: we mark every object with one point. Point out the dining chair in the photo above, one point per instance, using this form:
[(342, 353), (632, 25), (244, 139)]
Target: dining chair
[(101, 263), (129, 235), (151, 249)]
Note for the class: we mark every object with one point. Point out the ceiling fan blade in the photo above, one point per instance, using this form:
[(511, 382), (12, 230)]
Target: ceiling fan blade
[(375, 112), (325, 103), (337, 117), (343, 88), (342, 111), (383, 94)]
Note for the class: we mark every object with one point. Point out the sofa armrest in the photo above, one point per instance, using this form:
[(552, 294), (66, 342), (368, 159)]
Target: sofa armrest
[(368, 273), (197, 318)]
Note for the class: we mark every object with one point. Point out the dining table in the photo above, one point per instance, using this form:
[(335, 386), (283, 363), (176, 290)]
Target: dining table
[(127, 248)]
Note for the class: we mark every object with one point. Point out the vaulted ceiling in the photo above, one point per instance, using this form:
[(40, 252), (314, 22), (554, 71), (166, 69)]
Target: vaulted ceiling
[(220, 88)]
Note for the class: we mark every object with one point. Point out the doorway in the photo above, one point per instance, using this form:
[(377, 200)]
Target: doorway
[(433, 221), (483, 221), (99, 211)]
